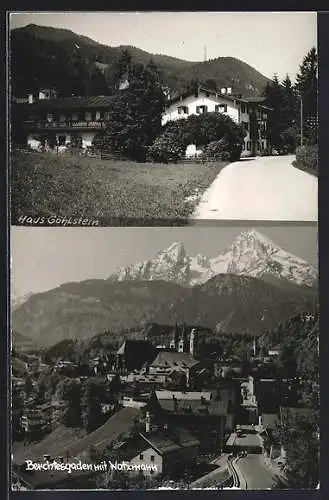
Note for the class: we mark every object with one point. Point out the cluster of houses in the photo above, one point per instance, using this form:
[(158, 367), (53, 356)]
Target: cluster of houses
[(167, 412), (74, 121)]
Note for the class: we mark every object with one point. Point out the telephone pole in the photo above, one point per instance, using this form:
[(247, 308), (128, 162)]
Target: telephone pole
[(205, 53)]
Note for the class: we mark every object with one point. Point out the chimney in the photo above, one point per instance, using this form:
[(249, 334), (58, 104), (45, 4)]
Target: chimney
[(148, 422)]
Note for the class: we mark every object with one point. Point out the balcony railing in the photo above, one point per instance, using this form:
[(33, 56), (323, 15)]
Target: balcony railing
[(64, 124)]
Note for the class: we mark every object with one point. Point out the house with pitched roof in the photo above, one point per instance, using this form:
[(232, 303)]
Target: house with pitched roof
[(207, 414), (76, 120), (70, 120), (251, 113), (167, 362), (161, 452)]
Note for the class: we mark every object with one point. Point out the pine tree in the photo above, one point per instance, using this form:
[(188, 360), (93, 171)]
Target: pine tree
[(135, 117), (274, 99), (306, 86), (69, 391), (92, 410), (289, 116)]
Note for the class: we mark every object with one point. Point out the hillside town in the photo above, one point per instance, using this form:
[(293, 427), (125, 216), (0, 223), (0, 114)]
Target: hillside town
[(199, 420)]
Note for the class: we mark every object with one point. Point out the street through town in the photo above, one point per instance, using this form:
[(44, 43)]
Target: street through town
[(255, 474), (262, 188)]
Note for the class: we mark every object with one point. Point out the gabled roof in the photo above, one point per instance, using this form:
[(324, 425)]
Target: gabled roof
[(219, 97), (180, 395), (73, 102), (165, 444), (174, 360), (213, 93), (161, 442), (195, 407), (120, 423)]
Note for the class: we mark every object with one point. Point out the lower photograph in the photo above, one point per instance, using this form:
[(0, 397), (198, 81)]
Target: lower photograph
[(164, 358)]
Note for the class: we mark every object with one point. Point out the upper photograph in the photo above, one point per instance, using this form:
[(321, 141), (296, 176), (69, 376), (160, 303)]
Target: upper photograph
[(162, 118)]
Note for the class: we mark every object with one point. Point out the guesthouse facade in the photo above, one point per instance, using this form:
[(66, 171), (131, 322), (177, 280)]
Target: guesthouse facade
[(62, 121), (47, 120), (251, 113)]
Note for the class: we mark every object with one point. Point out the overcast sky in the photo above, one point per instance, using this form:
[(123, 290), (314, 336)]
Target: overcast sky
[(271, 42), (43, 258)]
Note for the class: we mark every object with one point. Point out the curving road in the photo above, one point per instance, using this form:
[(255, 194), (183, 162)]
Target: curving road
[(262, 188), (256, 475)]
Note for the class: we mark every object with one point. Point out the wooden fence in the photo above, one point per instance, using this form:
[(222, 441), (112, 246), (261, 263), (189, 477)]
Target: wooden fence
[(98, 155)]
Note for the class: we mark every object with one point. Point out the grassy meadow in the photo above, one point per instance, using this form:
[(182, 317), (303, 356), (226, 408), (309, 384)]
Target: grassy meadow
[(45, 184)]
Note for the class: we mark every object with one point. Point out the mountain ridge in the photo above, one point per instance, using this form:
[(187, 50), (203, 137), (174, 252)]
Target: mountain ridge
[(251, 254), (49, 64), (226, 303)]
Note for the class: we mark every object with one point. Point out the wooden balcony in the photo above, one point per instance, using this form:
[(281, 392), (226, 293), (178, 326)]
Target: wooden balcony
[(64, 125)]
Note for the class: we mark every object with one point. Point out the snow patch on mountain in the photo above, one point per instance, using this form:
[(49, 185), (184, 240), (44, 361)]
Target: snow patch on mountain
[(251, 254)]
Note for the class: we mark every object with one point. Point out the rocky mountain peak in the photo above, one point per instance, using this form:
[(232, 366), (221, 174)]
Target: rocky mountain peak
[(251, 254)]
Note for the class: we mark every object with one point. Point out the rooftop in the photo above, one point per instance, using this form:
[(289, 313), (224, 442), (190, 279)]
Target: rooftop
[(172, 359), (180, 395), (218, 95), (162, 442), (73, 102), (195, 407), (120, 423)]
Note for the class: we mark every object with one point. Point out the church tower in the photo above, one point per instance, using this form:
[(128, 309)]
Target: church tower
[(181, 344), (193, 340), (174, 341)]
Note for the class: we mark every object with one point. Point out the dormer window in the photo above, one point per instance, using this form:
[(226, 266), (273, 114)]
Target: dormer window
[(221, 108), (182, 110), (201, 109)]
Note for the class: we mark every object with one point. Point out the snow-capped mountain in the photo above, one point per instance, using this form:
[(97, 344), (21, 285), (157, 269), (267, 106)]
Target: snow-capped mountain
[(171, 264), (251, 254)]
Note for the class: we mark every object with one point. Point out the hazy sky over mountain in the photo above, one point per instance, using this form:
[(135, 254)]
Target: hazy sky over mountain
[(43, 258), (271, 42)]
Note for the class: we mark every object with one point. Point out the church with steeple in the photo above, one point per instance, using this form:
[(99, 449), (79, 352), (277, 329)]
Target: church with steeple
[(182, 341)]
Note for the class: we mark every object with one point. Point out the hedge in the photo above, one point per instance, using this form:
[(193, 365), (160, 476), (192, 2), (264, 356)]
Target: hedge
[(307, 157)]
